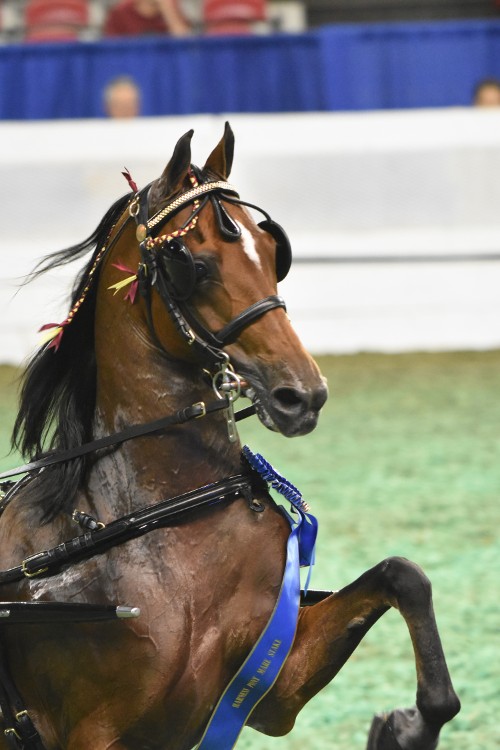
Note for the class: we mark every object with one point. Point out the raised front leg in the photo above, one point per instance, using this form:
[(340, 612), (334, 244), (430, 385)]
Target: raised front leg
[(330, 631)]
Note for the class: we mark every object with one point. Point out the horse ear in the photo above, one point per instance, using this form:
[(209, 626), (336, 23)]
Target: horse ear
[(220, 160), (175, 172)]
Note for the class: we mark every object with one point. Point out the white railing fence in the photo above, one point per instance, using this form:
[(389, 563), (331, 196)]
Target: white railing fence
[(394, 217)]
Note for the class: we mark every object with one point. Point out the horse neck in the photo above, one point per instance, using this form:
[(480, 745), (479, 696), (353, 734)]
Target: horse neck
[(137, 384)]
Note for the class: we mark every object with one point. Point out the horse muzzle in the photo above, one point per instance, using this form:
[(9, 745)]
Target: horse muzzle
[(290, 408)]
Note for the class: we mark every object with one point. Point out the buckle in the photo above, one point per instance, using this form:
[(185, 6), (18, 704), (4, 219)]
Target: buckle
[(202, 406), (32, 574)]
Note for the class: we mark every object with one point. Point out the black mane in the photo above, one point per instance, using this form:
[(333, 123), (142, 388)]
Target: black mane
[(58, 392)]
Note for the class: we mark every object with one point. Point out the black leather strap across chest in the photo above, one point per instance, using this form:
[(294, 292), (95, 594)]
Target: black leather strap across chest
[(101, 538)]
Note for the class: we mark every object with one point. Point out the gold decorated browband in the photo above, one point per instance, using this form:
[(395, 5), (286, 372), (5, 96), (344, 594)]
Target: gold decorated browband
[(188, 197)]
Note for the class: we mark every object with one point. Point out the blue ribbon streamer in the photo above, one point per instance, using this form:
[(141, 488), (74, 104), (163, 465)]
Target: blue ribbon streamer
[(261, 668), (309, 526)]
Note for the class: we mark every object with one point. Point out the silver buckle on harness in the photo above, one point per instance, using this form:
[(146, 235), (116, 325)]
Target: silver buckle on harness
[(134, 206), (11, 730)]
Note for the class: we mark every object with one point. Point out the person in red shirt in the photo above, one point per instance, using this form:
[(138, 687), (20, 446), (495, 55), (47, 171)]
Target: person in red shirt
[(139, 17)]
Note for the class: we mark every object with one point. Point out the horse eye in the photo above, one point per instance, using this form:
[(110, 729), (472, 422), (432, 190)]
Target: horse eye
[(201, 270)]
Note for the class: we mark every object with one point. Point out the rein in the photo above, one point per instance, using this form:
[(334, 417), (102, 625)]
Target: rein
[(195, 411)]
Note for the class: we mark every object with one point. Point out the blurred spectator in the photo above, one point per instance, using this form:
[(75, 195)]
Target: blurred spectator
[(229, 17), (487, 93), (140, 17), (122, 98), (51, 20)]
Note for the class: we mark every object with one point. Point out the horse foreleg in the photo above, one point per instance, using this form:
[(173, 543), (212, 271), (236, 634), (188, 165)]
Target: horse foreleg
[(329, 632)]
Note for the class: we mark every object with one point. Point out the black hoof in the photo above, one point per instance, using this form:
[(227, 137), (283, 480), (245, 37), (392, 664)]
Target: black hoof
[(380, 735), (402, 729)]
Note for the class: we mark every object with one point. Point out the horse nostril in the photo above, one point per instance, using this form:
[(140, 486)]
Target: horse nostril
[(290, 399), (294, 410)]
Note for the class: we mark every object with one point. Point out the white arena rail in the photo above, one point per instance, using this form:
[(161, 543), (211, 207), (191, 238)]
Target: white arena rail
[(394, 217)]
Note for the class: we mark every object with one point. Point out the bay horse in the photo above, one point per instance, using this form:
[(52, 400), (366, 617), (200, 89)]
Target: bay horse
[(206, 583)]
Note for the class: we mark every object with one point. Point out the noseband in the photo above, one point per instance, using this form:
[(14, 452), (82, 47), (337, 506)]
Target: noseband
[(168, 265)]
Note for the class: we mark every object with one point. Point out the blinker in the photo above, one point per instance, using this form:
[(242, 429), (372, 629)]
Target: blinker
[(283, 247), (179, 269), (177, 264), (174, 259)]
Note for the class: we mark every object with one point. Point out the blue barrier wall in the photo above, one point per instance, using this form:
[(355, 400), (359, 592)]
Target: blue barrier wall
[(362, 67)]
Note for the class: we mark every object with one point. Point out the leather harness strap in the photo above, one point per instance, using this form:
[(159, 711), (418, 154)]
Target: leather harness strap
[(229, 333), (196, 411), (82, 547), (19, 730)]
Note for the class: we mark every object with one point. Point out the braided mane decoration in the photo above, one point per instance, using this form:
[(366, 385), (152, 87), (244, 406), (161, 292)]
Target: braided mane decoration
[(54, 331), (57, 399)]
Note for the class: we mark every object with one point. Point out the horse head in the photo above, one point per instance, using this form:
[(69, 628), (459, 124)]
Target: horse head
[(207, 281), (201, 313)]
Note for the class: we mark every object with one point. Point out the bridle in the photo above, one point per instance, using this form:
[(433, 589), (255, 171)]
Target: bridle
[(168, 265)]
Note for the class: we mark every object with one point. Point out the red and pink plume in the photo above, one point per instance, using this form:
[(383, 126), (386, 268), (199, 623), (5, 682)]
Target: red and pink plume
[(128, 177)]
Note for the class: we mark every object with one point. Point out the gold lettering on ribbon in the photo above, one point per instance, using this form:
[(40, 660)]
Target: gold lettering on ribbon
[(263, 667), (241, 697), (253, 681), (274, 648)]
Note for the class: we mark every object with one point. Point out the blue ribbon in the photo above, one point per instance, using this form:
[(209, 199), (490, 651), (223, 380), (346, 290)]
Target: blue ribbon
[(261, 668), (308, 523)]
